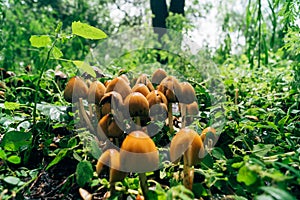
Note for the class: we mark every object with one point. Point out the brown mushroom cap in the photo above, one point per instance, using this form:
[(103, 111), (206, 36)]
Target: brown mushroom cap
[(192, 109), (111, 158), (189, 143), (141, 88), (108, 128), (156, 97), (171, 88), (158, 76), (111, 102), (119, 85), (123, 76), (76, 88), (138, 153), (96, 92), (137, 105), (187, 93), (144, 80), (209, 133)]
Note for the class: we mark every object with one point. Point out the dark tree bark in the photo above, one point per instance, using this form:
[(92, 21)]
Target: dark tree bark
[(160, 11), (177, 6)]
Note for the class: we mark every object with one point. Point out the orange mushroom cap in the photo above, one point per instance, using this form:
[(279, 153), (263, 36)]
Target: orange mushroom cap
[(158, 76), (187, 142), (138, 153), (144, 80), (119, 85), (171, 88), (111, 158), (187, 93), (137, 104), (76, 88), (141, 88), (108, 128), (96, 92), (111, 102)]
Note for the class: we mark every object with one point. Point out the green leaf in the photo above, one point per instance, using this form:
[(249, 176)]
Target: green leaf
[(12, 180), (84, 172), (179, 192), (56, 52), (14, 159), (11, 105), (12, 141), (278, 193), (95, 150), (262, 149), (2, 155), (246, 176), (85, 67), (264, 197), (87, 31), (61, 154), (40, 41)]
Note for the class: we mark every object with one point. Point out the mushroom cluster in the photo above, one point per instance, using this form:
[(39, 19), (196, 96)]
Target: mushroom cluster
[(123, 116)]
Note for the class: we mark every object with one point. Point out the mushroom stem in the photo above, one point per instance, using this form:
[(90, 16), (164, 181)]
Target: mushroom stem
[(143, 183), (137, 122), (91, 111), (98, 114), (183, 115), (83, 115), (170, 117), (188, 174)]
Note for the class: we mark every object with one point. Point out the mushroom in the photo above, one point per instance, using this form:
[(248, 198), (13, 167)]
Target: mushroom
[(171, 88), (119, 85), (144, 80), (137, 107), (108, 128), (141, 88), (192, 110), (95, 93), (111, 158), (111, 102), (188, 143), (138, 154), (158, 76), (76, 89), (187, 97), (209, 137)]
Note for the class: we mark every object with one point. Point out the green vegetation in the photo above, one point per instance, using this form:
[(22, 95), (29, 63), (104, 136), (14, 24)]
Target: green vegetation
[(45, 151)]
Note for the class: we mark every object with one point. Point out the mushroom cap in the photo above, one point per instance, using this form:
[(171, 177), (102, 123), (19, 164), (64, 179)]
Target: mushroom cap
[(108, 128), (137, 105), (111, 102), (171, 88), (111, 158), (187, 93), (141, 88), (138, 153), (123, 76), (156, 97), (158, 76), (209, 133), (192, 109), (119, 85), (96, 92), (76, 88), (144, 80), (187, 142)]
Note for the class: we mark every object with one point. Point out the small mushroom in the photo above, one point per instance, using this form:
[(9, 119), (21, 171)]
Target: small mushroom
[(137, 107), (111, 158), (119, 85), (139, 154), (171, 88), (111, 102), (158, 76), (209, 137), (141, 88), (144, 80), (192, 110), (187, 97), (95, 93), (108, 128), (188, 143)]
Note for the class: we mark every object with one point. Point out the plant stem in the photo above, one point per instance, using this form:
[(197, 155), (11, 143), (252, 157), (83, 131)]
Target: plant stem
[(143, 183), (170, 117)]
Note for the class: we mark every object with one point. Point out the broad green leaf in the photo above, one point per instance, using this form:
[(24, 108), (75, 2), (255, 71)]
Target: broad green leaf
[(246, 176), (237, 164), (14, 159), (85, 67), (87, 31), (278, 193), (2, 155), (264, 197), (84, 172), (95, 150), (12, 141), (40, 41), (56, 52), (218, 153), (61, 154), (12, 180), (11, 105), (262, 149)]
